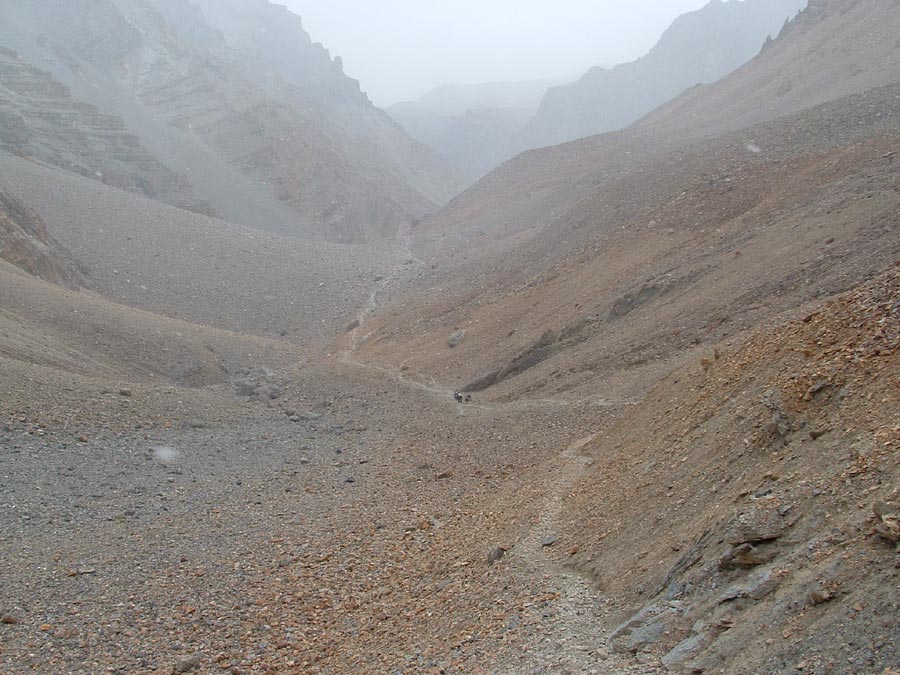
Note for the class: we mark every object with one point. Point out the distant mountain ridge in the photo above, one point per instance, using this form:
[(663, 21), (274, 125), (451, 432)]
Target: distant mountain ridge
[(478, 127), (470, 126), (699, 47), (236, 96)]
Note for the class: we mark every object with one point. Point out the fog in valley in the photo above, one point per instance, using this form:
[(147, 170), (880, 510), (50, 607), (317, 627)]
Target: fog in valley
[(449, 338), (400, 49)]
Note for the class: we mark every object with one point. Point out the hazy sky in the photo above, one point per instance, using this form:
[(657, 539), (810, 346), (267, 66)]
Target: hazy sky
[(399, 49)]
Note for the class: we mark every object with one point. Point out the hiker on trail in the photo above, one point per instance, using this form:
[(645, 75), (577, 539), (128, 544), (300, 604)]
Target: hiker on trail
[(458, 396)]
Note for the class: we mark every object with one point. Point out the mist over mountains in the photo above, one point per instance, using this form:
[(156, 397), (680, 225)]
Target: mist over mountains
[(699, 47), (284, 390), (470, 125), (262, 122)]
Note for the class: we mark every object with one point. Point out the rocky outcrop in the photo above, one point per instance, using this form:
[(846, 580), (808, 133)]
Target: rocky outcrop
[(698, 47), (25, 242)]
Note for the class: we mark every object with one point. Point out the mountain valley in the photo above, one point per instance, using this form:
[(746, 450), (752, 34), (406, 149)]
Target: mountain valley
[(280, 394)]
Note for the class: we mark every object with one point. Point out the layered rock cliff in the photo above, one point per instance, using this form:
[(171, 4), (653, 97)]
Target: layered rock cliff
[(236, 96), (39, 119)]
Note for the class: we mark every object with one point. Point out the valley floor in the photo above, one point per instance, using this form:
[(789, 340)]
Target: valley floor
[(345, 526), (356, 540), (353, 518)]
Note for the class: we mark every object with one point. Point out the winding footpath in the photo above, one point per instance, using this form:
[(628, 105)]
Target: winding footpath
[(574, 640)]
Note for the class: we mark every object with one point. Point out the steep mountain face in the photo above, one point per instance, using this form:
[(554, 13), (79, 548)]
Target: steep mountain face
[(25, 243), (470, 126), (265, 124), (39, 119), (698, 47), (832, 49)]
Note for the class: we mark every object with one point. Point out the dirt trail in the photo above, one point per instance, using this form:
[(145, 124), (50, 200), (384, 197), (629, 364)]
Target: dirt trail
[(427, 384), (574, 638), (574, 641)]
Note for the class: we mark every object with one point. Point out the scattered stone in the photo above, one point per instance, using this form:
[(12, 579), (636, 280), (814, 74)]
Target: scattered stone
[(683, 650), (268, 392), (496, 554), (643, 629), (815, 389), (764, 589), (756, 587), (549, 540), (186, 665), (124, 392), (758, 523), (456, 339), (887, 521), (646, 635), (816, 434), (745, 555), (245, 389), (444, 475), (819, 596), (82, 439), (9, 619), (82, 572)]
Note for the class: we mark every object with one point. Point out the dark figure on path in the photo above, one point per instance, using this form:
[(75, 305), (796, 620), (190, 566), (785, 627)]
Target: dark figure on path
[(458, 396)]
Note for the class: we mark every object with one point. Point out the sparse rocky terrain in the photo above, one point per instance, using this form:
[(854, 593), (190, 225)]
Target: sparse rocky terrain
[(229, 450)]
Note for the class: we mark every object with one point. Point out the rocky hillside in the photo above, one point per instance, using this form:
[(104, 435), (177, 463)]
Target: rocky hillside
[(699, 47), (170, 262), (700, 243), (263, 121), (470, 126), (776, 459), (241, 452), (830, 50)]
